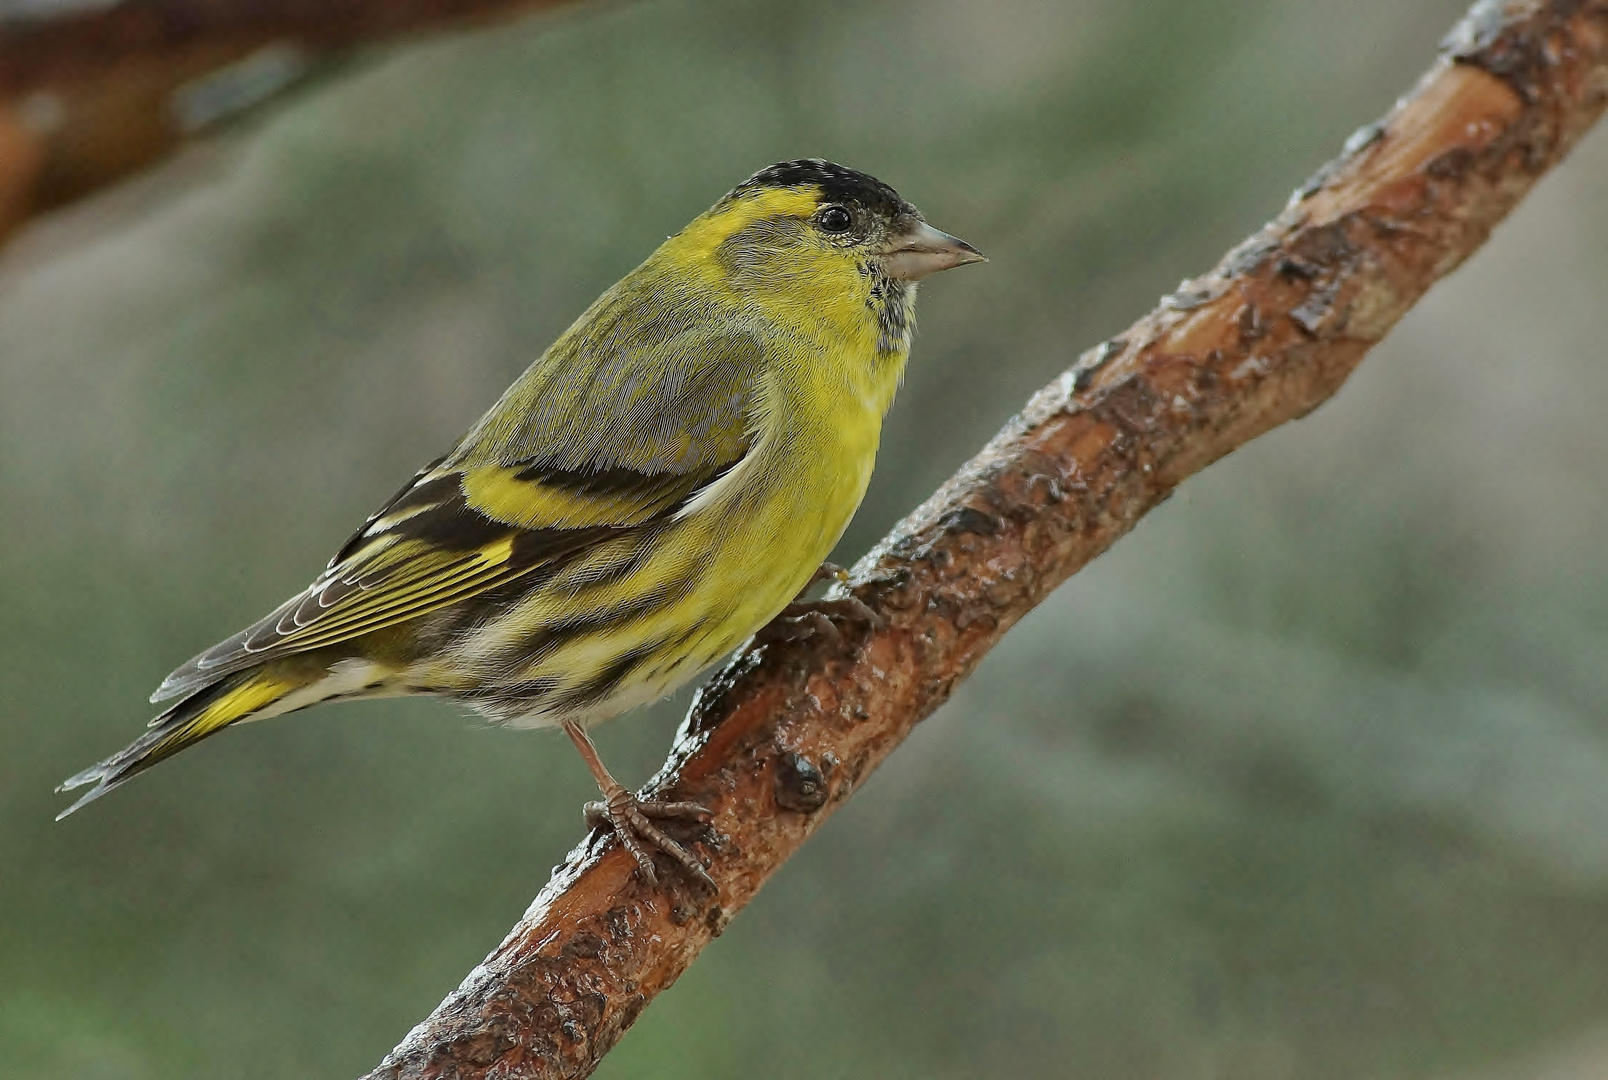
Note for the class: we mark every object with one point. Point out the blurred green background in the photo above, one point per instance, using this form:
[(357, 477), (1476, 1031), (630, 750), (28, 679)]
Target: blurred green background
[(1307, 778)]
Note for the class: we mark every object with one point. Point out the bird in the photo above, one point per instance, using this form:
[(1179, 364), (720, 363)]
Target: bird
[(660, 484)]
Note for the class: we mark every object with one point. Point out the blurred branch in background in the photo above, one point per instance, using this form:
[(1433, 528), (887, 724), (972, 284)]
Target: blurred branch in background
[(788, 731), (91, 91)]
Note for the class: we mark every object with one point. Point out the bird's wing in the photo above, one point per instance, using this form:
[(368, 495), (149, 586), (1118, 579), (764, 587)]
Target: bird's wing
[(474, 521)]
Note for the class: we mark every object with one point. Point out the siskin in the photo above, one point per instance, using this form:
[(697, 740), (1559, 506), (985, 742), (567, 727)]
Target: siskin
[(657, 486)]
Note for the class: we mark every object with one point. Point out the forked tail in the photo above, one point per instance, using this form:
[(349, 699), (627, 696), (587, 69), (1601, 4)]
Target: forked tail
[(209, 710)]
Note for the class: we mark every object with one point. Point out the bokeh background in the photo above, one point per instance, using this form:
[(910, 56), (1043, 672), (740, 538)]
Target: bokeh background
[(1306, 778)]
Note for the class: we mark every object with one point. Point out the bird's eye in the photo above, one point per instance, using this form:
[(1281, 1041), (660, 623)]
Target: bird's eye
[(835, 219)]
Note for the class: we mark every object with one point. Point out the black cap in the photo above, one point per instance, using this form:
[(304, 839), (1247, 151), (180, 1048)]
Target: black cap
[(838, 184)]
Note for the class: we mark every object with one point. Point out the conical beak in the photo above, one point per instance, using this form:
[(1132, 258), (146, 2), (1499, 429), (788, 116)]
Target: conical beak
[(924, 250)]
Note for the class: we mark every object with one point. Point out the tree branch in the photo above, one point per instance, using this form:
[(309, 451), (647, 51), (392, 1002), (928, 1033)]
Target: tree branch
[(92, 93), (786, 732)]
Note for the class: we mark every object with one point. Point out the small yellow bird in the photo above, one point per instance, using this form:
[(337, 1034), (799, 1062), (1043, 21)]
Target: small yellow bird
[(658, 485)]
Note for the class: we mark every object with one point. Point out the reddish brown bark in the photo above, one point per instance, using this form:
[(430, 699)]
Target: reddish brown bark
[(787, 731), (94, 93)]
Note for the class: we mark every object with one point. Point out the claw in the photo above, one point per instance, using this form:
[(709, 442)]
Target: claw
[(852, 609), (628, 818), (801, 620)]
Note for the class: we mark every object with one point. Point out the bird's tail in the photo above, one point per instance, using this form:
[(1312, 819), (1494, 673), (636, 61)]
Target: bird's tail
[(231, 699)]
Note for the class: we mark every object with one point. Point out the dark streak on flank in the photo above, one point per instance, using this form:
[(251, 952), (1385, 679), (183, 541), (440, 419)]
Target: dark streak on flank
[(599, 687), (674, 649), (532, 648), (531, 692)]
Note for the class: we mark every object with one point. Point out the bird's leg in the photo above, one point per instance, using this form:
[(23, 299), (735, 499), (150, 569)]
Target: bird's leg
[(628, 816), (805, 618)]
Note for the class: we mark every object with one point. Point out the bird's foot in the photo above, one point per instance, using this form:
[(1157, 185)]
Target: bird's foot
[(827, 571), (630, 819), (803, 619)]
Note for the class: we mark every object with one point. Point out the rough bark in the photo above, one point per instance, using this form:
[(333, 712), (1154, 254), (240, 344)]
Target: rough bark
[(788, 731), (91, 93)]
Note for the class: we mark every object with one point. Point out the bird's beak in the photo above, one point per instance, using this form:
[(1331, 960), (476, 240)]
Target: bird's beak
[(923, 250)]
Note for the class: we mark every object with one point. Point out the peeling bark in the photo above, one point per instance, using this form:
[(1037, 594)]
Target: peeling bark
[(788, 730)]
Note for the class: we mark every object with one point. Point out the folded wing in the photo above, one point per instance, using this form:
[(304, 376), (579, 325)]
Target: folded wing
[(518, 494)]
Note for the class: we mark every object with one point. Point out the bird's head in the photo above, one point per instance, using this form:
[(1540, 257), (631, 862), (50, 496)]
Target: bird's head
[(822, 239), (813, 209)]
